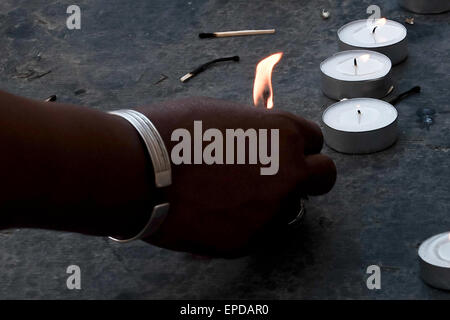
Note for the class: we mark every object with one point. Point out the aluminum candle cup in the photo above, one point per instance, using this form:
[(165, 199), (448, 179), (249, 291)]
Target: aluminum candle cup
[(434, 259), (356, 73), (360, 125), (385, 36), (426, 6)]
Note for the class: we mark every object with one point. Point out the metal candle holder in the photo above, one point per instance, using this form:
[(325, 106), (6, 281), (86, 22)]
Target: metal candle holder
[(426, 6), (360, 142), (434, 261), (338, 89), (397, 52)]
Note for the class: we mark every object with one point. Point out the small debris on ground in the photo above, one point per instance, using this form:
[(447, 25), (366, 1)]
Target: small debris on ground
[(390, 267), (409, 20), (6, 233), (39, 75), (79, 91), (325, 14), (25, 74), (163, 77)]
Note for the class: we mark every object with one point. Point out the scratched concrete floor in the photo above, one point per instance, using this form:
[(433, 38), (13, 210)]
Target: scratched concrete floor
[(382, 207)]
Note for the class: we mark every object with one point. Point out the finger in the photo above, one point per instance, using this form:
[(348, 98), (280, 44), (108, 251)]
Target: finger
[(321, 174), (313, 138)]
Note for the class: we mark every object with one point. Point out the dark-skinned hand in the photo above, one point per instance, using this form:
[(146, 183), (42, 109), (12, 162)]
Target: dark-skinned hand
[(224, 209)]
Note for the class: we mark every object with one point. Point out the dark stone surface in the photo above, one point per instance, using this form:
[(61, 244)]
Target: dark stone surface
[(382, 207)]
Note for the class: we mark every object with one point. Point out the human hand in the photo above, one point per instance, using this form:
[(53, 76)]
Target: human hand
[(222, 209)]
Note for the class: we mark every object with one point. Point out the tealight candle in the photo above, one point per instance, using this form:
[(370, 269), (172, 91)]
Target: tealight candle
[(426, 6), (356, 73), (385, 36), (434, 257), (360, 125)]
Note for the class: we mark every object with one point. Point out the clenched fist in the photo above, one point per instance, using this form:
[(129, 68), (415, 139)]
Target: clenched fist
[(220, 208)]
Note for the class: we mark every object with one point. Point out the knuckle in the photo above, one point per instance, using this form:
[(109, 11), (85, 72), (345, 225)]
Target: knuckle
[(290, 132)]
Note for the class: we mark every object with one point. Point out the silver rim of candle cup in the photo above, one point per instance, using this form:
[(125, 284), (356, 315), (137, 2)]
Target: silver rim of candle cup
[(397, 52), (426, 6), (338, 89), (363, 142), (435, 276)]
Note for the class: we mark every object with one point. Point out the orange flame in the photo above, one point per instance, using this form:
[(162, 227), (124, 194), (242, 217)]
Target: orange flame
[(262, 88), (365, 57), (381, 22)]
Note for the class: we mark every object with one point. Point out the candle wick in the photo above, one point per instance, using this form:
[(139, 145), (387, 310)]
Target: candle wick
[(373, 33), (359, 116), (355, 63)]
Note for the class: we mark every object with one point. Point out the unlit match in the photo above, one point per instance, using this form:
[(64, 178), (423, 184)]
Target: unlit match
[(235, 33)]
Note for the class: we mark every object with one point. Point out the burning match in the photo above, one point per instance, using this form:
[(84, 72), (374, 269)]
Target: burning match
[(235, 33), (262, 88)]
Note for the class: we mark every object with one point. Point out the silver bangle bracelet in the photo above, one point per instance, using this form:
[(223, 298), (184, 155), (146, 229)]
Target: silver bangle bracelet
[(161, 166)]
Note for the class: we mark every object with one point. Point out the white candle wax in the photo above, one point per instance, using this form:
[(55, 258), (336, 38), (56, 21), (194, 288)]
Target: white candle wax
[(434, 257), (436, 250), (373, 114), (369, 65), (361, 33), (362, 65), (444, 252)]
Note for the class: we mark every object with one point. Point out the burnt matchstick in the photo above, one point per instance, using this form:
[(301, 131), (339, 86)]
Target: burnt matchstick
[(51, 98), (235, 33), (404, 95), (205, 66)]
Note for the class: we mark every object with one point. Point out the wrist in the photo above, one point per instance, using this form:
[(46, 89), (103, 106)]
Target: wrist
[(158, 155)]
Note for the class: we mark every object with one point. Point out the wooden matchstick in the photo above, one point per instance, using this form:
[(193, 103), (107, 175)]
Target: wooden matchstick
[(51, 98), (205, 66), (235, 33)]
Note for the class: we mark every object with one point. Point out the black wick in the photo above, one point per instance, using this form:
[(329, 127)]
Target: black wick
[(404, 95), (373, 31), (205, 66)]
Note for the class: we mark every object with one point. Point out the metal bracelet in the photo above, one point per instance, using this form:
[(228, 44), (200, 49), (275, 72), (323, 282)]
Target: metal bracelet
[(161, 166)]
